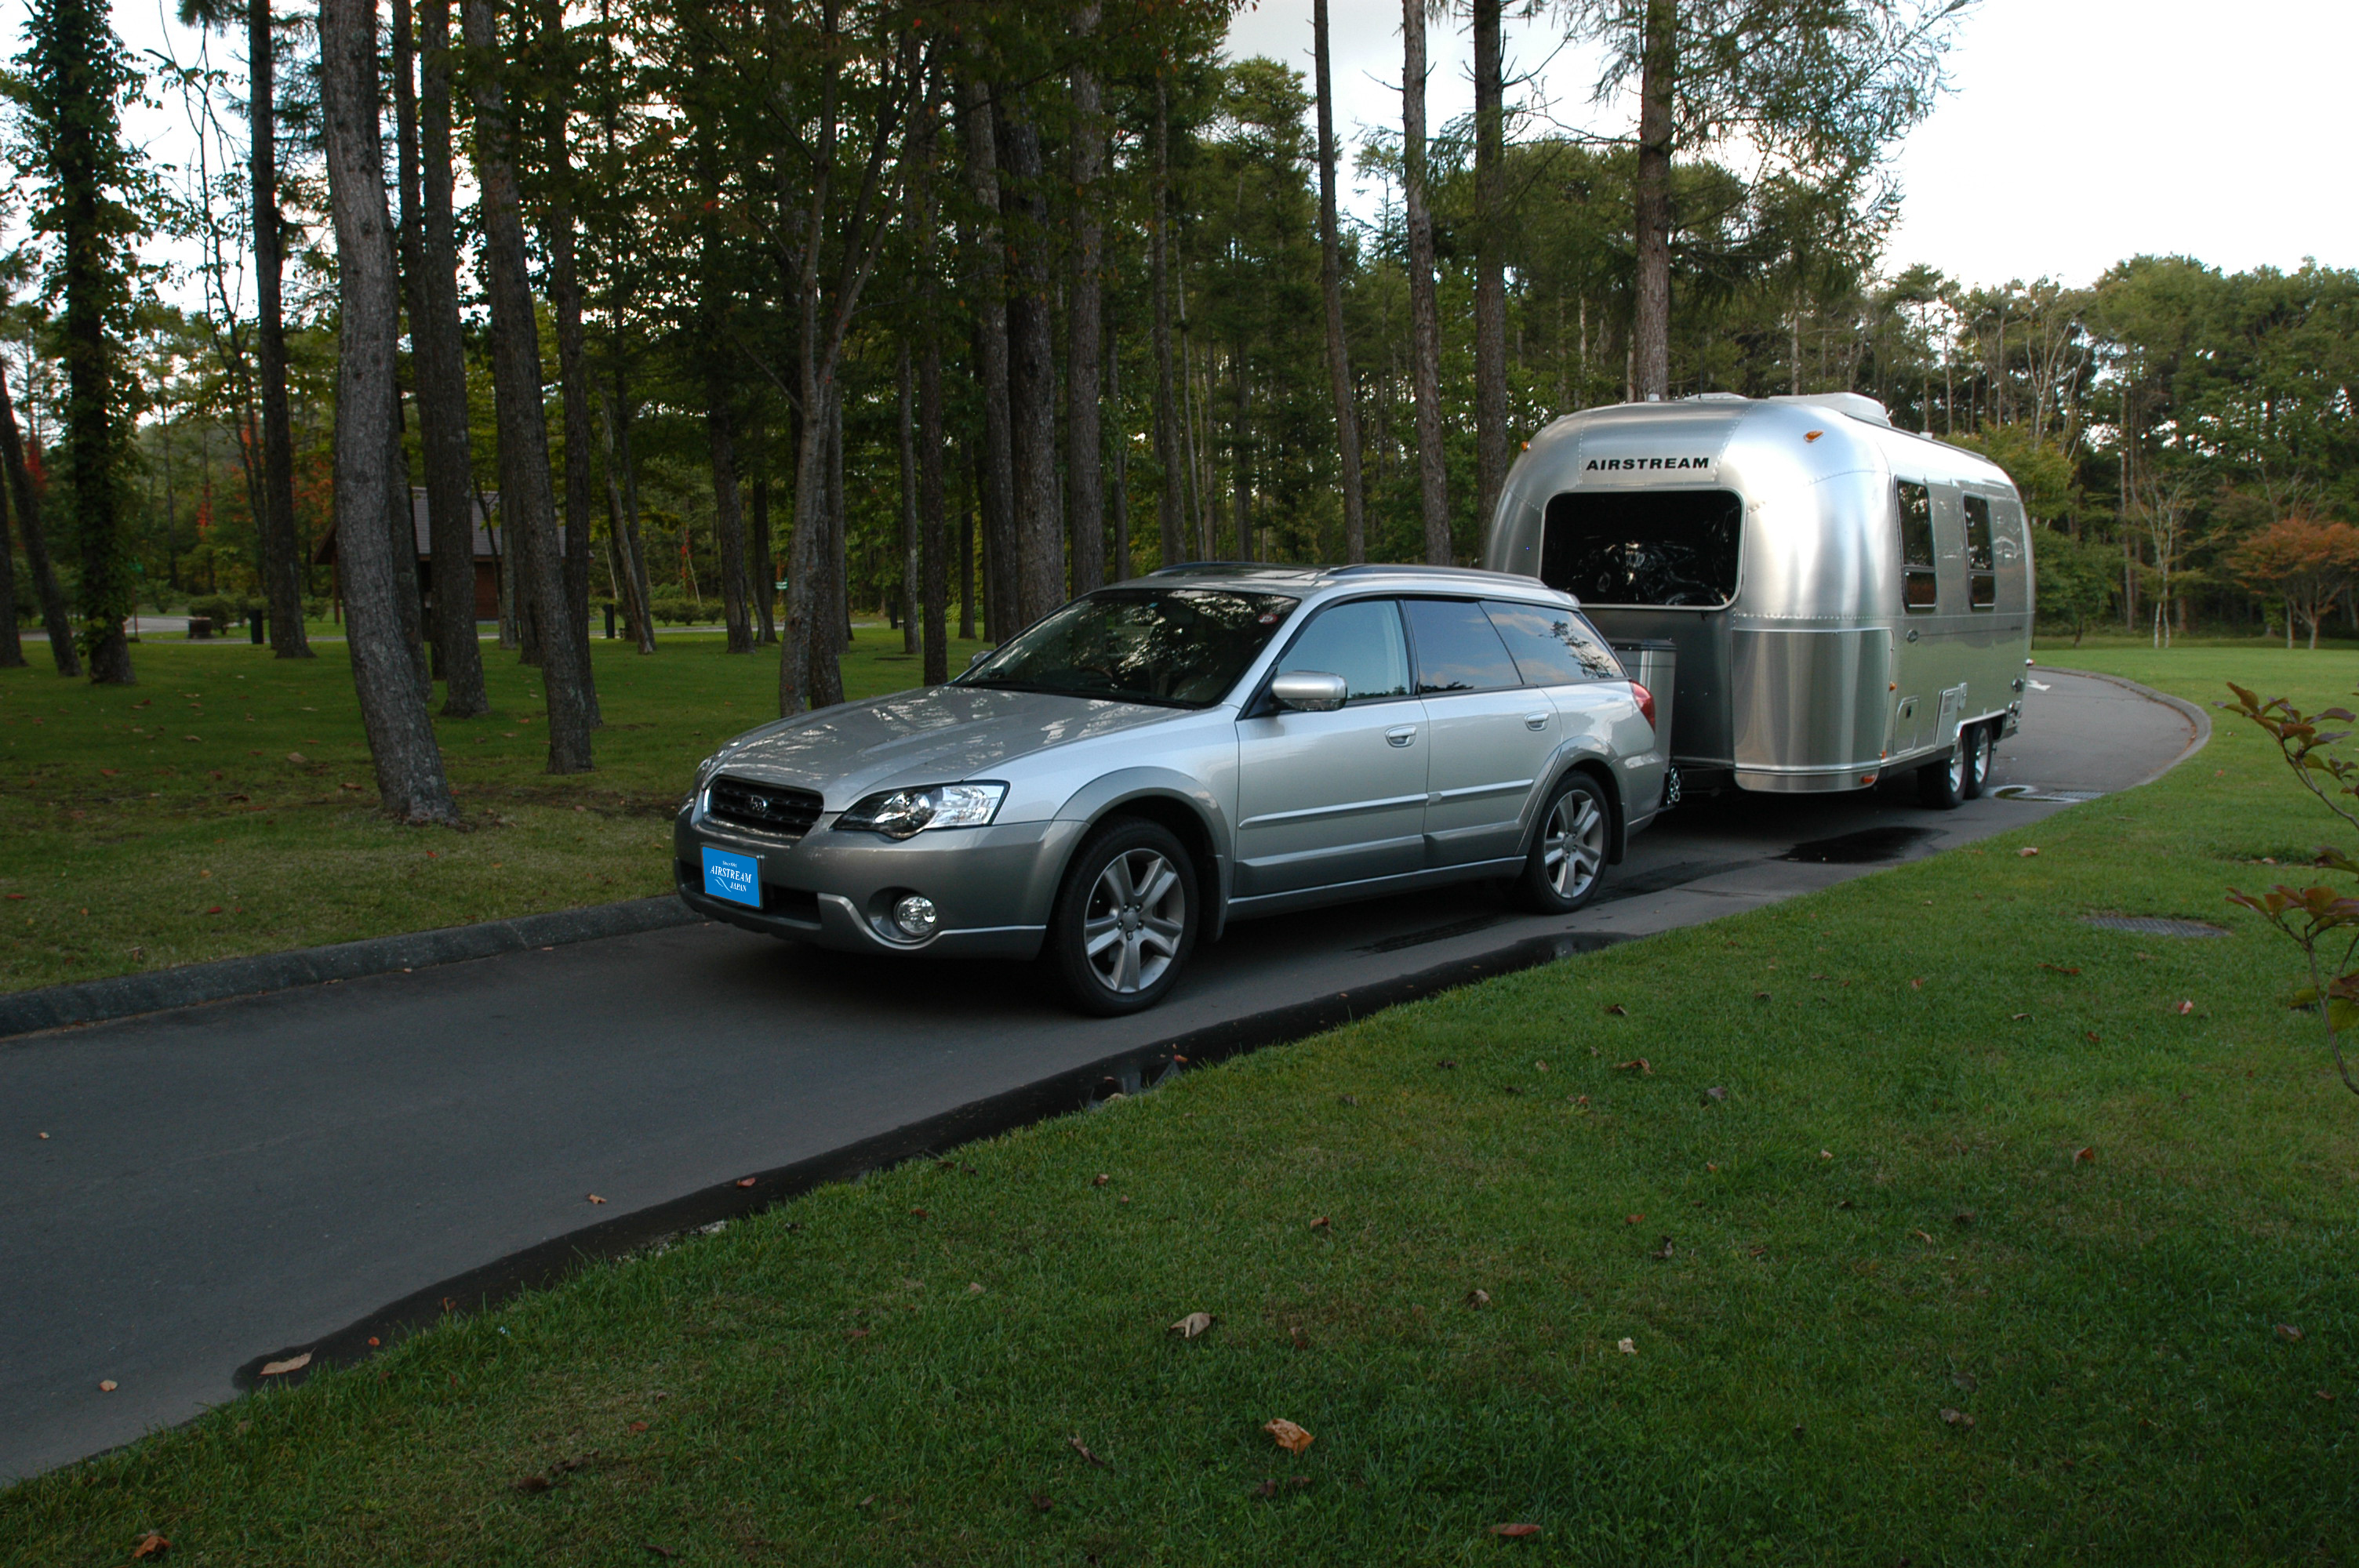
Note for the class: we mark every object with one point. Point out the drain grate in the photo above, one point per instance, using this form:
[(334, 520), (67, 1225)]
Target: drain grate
[(2153, 926), (2037, 792)]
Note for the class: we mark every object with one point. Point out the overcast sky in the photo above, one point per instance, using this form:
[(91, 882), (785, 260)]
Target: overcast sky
[(2076, 132)]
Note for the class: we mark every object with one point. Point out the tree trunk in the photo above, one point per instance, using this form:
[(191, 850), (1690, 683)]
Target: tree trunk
[(1425, 320), (438, 357), (1084, 438), (1118, 493), (989, 306), (1240, 469), (967, 570), (527, 503), (1490, 270), (410, 778), (623, 499), (1650, 328), (932, 556), (1330, 288), (912, 582), (1169, 519), (565, 310), (401, 534), (762, 567), (282, 550), (37, 545), (728, 513), (1039, 546), (12, 643)]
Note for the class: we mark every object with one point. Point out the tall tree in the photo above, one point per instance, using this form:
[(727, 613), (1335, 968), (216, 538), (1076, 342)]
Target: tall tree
[(1170, 493), (12, 642), (27, 500), (439, 369), (987, 304), (410, 781), (282, 550), (932, 549), (558, 68), (1424, 309), (1819, 91), (1490, 269), (1039, 558), (75, 77), (528, 506), (1330, 288), (1086, 306)]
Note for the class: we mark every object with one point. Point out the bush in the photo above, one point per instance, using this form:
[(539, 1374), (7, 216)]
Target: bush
[(219, 608), (316, 608), (673, 607)]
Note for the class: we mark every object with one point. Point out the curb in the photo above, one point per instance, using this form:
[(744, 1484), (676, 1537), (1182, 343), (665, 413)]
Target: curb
[(2186, 709), (1134, 1071), (92, 1001)]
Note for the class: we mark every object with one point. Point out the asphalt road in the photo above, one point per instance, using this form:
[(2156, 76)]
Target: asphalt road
[(224, 1181)]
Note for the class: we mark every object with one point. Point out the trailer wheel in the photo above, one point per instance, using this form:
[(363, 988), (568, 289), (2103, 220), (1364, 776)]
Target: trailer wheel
[(1980, 742), (1942, 786)]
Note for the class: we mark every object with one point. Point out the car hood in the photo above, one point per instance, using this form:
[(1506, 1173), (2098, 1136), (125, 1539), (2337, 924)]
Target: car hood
[(941, 735)]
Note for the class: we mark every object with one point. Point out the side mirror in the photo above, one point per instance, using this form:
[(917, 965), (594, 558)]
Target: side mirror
[(1310, 691), (980, 655)]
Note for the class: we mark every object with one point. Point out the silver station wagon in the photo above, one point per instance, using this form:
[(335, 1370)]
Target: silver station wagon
[(1123, 778)]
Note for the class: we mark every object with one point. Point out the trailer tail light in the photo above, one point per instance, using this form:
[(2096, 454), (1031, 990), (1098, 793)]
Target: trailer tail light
[(1646, 702)]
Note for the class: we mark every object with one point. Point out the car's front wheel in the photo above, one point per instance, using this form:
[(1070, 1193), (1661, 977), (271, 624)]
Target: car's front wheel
[(1568, 856), (1126, 919)]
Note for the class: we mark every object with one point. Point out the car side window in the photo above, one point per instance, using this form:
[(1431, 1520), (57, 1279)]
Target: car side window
[(1982, 567), (1362, 642), (1922, 589), (1552, 645), (1456, 648)]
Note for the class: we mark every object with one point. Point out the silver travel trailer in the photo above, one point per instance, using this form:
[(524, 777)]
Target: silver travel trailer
[(1846, 601)]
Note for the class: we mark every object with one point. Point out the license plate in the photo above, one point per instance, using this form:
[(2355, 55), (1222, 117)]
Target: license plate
[(737, 877)]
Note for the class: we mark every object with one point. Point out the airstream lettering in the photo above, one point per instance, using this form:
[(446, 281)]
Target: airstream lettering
[(1846, 601)]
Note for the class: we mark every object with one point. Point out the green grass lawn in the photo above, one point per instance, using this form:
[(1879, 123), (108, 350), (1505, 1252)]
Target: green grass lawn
[(226, 805), (1968, 1155)]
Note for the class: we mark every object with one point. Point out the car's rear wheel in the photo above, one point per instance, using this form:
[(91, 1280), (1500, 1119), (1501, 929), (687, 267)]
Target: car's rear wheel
[(1567, 857), (1126, 919), (1942, 784)]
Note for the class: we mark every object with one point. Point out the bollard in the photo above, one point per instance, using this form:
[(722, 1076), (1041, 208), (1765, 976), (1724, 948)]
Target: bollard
[(253, 626)]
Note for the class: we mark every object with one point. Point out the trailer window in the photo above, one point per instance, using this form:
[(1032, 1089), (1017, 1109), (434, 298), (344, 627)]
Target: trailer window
[(1921, 591), (1644, 547), (1982, 572)]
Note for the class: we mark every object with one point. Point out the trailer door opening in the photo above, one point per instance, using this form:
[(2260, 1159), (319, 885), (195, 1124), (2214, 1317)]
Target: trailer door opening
[(1644, 547)]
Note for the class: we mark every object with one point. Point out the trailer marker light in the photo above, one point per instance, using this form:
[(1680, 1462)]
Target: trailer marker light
[(1867, 778), (1809, 436)]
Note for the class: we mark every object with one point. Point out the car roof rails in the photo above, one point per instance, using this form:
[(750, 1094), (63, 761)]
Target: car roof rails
[(1409, 569)]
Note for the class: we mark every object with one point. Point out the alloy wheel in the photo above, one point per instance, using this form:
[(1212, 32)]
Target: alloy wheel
[(1573, 844), (1134, 921)]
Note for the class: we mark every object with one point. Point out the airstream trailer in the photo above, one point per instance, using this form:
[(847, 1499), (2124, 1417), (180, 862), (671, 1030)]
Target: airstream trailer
[(1847, 600)]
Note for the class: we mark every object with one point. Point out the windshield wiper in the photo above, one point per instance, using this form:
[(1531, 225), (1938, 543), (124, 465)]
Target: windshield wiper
[(1138, 699)]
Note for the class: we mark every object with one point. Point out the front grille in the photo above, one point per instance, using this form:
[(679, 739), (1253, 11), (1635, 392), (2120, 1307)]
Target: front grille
[(766, 808)]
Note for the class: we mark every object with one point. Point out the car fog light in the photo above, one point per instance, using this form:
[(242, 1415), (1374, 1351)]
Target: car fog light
[(916, 916)]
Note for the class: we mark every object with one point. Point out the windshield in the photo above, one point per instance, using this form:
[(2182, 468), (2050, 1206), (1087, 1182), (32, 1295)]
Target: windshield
[(1178, 647)]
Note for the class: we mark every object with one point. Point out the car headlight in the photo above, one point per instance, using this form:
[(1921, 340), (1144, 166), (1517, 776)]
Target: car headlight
[(904, 813)]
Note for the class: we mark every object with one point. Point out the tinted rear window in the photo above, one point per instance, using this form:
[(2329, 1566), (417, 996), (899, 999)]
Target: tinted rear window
[(1552, 646), (1652, 546), (1456, 648)]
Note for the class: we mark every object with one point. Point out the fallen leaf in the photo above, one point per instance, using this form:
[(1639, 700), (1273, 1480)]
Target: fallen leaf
[(1301, 1340), (189, 737), (1515, 1531), (2185, 1007), (639, 1426), (2092, 1038), (973, 1289), (1041, 1504), (1194, 1324), (1760, 996), (350, 786), (1665, 1250), (534, 1483), (2285, 1332), (596, 1198), (214, 910), (1100, 1179), (1445, 1063), (1710, 1167), (1633, 1219), (2327, 1396), (372, 1341), (2060, 969), (658, 1551), (1617, 1010), (292, 1363), (1959, 1418), (744, 1181), (1965, 1381), (1077, 1446), (1917, 985), (1539, 1066), (2028, 851), (1825, 1154), (855, 1334), (1348, 1099), (1627, 1347), (1322, 1223), (1964, 1216), (919, 1213), (1715, 1093), (1266, 1489), (1845, 1203), (2087, 1155), (1288, 1436), (106, 1385), (297, 757), (1646, 1068), (1478, 1298), (2019, 1017), (151, 1545), (1922, 1237)]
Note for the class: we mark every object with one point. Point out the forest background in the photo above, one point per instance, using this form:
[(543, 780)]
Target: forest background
[(791, 313)]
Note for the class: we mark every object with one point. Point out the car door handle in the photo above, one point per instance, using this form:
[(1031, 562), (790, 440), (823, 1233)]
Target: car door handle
[(1402, 736), (1535, 720)]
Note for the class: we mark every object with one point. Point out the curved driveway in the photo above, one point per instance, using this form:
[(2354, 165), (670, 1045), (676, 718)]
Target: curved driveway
[(223, 1181)]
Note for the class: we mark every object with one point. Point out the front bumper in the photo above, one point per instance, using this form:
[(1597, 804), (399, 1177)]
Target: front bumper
[(994, 885)]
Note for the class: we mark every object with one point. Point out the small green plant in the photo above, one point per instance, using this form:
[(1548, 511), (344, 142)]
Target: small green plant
[(2319, 919)]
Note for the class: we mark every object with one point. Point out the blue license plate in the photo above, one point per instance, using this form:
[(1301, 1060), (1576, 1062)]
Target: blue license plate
[(737, 877)]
